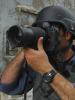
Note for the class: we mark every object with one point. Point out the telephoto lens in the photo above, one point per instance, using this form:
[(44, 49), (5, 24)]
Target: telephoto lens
[(24, 36)]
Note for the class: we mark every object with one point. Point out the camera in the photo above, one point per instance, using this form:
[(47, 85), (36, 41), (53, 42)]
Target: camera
[(27, 37), (24, 36)]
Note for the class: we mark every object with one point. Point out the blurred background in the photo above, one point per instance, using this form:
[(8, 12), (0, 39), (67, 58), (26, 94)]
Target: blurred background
[(22, 12)]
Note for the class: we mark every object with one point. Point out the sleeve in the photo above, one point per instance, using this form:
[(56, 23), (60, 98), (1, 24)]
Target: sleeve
[(23, 84)]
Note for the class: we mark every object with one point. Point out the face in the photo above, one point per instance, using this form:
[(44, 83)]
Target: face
[(63, 43)]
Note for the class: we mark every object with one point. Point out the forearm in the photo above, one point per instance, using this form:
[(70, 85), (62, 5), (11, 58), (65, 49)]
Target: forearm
[(12, 70), (63, 88), (61, 94)]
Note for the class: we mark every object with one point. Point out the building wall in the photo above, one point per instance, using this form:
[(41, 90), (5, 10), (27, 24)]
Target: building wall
[(9, 16)]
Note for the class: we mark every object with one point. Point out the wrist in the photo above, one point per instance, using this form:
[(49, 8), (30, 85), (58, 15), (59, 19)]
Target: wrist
[(47, 69), (49, 76), (20, 55)]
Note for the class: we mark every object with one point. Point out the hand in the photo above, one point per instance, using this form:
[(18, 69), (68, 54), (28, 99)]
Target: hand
[(37, 59)]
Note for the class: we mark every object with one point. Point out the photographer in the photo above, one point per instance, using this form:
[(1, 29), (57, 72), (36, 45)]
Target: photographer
[(51, 74)]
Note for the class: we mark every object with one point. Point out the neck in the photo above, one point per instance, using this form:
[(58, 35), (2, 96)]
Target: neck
[(68, 54)]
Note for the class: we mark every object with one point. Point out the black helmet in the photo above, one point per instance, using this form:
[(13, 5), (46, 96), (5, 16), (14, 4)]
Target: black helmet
[(57, 14)]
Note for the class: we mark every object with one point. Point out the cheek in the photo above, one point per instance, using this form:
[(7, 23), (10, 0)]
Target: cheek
[(63, 43)]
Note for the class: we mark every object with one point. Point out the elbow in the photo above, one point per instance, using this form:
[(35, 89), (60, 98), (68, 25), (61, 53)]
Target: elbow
[(0, 79), (4, 80)]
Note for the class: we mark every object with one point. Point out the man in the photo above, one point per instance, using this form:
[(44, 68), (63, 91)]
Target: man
[(52, 76)]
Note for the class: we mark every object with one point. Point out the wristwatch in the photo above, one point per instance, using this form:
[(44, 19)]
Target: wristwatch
[(48, 77)]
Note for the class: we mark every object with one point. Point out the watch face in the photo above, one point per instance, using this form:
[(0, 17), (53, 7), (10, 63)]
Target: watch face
[(48, 77)]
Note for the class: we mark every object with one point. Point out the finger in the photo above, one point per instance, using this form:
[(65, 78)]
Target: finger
[(40, 43)]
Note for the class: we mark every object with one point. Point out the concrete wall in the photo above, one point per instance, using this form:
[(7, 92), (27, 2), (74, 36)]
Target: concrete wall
[(9, 16)]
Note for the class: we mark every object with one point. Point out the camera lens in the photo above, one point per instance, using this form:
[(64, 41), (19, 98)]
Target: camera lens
[(14, 35)]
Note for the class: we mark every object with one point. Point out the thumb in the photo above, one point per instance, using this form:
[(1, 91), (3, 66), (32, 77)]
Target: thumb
[(40, 43)]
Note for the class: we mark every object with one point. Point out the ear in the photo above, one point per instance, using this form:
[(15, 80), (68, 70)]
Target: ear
[(68, 35)]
